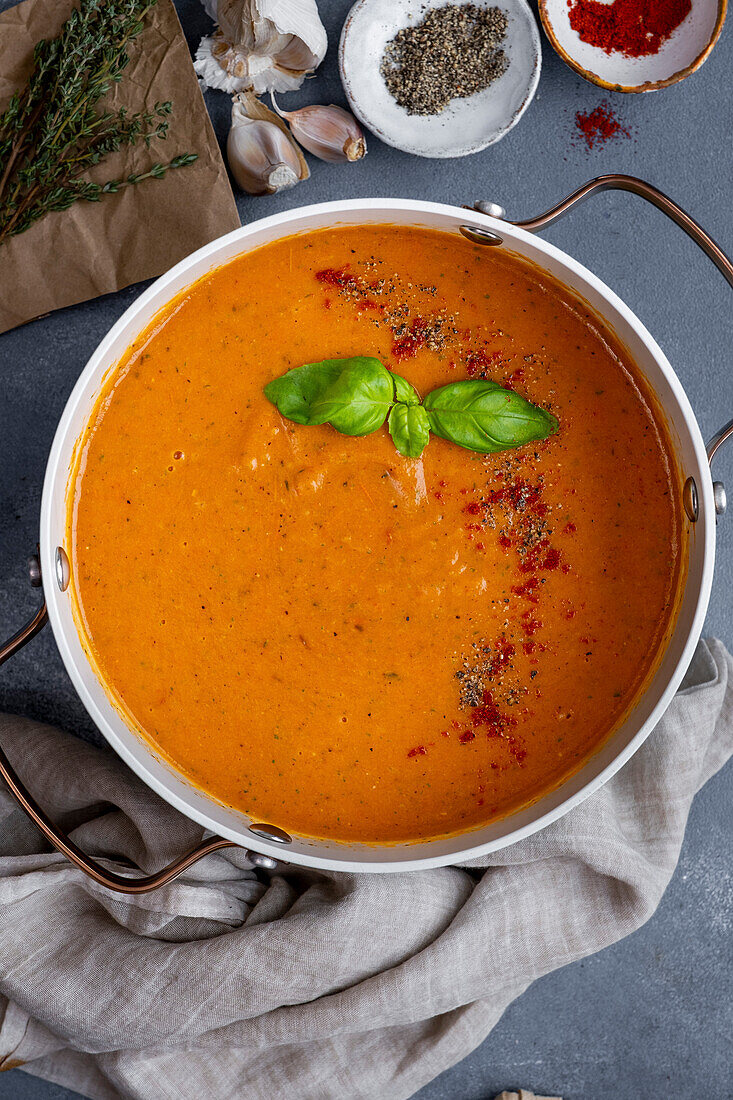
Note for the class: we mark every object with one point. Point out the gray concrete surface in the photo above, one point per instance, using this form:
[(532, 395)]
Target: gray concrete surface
[(652, 1015)]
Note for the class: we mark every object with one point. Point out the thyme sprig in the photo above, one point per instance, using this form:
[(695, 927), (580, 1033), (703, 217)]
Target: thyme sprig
[(53, 132)]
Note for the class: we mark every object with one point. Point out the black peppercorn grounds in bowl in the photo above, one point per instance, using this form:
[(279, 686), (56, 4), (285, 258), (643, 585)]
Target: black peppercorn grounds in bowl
[(443, 80)]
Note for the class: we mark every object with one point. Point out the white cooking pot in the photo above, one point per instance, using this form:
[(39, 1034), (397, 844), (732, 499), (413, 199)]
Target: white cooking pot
[(487, 225)]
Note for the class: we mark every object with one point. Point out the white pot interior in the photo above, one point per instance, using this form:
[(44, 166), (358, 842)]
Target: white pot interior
[(157, 773)]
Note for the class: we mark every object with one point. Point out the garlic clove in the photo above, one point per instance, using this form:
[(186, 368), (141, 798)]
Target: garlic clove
[(262, 155), (261, 159), (246, 106), (329, 132)]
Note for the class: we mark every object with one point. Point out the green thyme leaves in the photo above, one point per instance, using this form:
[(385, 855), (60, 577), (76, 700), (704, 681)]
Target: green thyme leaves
[(357, 395), (54, 130)]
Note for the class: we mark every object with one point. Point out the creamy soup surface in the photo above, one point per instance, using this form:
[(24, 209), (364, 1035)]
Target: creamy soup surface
[(341, 641)]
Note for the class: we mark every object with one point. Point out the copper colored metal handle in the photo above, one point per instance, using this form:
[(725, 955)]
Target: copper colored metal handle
[(645, 191), (120, 883), (718, 440), (24, 635), (680, 217)]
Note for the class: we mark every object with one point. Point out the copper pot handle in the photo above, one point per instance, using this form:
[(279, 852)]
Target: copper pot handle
[(662, 202), (52, 832)]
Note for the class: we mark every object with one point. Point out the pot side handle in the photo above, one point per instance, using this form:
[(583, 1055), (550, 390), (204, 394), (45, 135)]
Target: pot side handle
[(60, 841), (662, 202)]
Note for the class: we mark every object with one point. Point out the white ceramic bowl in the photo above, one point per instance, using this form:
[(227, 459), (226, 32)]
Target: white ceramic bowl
[(466, 125), (625, 740), (683, 52)]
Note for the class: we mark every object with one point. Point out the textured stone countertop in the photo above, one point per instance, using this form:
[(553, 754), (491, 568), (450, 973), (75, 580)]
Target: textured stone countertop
[(653, 1015)]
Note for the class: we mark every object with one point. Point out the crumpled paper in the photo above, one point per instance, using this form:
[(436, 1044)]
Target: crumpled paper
[(96, 248)]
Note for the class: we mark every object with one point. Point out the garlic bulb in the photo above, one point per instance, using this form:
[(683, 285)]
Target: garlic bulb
[(261, 45), (330, 133), (262, 155)]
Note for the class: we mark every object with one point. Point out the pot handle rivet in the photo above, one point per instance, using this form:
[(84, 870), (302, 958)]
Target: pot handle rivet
[(478, 235), (265, 863), (493, 209), (270, 832), (63, 572), (720, 497), (690, 501)]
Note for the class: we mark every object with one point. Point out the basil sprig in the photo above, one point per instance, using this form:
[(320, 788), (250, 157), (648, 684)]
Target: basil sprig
[(357, 395)]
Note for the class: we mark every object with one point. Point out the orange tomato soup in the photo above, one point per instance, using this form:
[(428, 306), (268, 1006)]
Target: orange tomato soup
[(341, 641)]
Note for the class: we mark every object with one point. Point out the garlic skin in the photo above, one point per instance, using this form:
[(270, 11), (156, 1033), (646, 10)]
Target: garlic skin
[(262, 45), (262, 156), (329, 132)]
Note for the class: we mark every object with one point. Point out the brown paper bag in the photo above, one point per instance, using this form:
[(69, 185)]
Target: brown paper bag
[(95, 248)]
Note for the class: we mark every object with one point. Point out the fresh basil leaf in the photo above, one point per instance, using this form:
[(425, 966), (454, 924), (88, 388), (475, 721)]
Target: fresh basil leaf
[(354, 395), (403, 391), (295, 392), (409, 428), (358, 400), (485, 417)]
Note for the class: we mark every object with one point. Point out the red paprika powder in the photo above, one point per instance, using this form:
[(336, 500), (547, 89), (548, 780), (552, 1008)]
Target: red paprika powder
[(598, 126), (636, 28)]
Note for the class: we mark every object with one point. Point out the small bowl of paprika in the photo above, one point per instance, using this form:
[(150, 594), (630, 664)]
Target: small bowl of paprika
[(633, 45)]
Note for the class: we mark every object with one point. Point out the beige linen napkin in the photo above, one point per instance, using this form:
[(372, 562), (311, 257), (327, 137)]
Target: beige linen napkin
[(229, 984)]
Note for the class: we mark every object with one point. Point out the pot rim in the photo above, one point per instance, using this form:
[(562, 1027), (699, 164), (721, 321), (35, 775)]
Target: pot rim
[(56, 481)]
